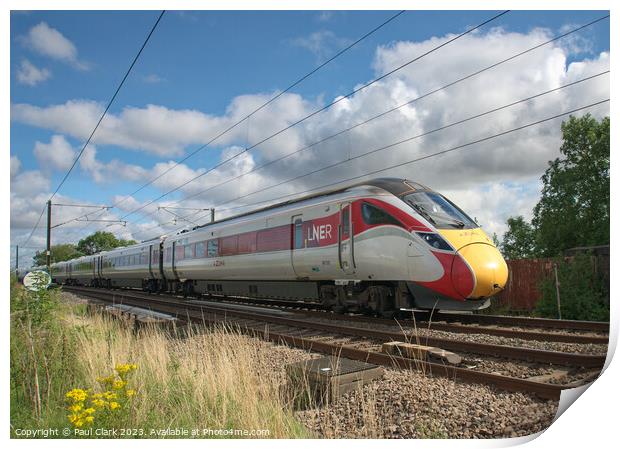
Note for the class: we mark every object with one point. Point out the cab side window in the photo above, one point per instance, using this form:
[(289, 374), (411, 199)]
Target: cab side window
[(372, 215)]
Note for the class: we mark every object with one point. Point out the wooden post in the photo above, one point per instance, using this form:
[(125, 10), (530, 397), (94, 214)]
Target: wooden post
[(557, 289)]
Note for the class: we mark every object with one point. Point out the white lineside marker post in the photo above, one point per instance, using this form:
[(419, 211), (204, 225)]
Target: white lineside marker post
[(557, 289)]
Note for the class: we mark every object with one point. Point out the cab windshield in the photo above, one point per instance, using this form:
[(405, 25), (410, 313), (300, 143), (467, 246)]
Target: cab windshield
[(440, 211)]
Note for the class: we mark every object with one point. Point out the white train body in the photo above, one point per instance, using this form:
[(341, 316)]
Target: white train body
[(376, 245)]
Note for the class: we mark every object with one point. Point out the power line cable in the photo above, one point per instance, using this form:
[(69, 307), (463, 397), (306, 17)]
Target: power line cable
[(262, 106), (409, 139), (100, 120), (135, 59), (428, 156), (340, 98), (382, 114)]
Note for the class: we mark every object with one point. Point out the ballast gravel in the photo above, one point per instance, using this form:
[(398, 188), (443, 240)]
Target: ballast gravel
[(409, 404), (406, 404)]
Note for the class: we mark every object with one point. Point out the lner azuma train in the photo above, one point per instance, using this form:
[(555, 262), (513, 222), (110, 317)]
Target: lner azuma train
[(376, 246)]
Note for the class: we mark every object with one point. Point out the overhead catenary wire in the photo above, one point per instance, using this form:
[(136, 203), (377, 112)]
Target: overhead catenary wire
[(383, 114), (428, 156), (401, 164), (133, 63), (265, 104), (425, 95), (409, 139), (382, 148), (319, 110)]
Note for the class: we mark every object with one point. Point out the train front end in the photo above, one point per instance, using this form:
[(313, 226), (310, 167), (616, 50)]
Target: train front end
[(470, 268)]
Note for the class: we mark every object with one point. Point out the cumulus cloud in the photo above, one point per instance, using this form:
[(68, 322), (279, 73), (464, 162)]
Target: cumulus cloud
[(15, 166), (490, 180), (50, 42), (163, 131), (31, 75), (58, 154)]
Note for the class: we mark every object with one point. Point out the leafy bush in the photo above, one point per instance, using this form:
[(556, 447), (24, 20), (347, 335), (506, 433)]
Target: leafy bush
[(584, 294)]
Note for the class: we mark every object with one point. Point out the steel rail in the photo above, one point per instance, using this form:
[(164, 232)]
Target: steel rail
[(178, 307), (542, 390)]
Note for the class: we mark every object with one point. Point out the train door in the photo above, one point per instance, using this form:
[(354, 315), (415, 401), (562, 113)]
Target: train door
[(298, 244), (345, 240), (151, 261)]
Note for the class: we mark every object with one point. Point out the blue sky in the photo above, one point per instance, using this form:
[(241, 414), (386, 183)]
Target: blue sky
[(202, 61)]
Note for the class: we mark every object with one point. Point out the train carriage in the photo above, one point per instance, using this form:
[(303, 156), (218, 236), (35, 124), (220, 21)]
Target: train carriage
[(379, 245)]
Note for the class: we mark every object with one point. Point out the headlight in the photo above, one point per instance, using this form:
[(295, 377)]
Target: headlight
[(435, 241)]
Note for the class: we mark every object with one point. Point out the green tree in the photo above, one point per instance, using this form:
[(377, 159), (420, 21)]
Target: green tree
[(574, 206), (519, 240), (60, 253), (584, 295), (101, 241)]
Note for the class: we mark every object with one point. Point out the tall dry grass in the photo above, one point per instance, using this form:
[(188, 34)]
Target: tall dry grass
[(189, 378)]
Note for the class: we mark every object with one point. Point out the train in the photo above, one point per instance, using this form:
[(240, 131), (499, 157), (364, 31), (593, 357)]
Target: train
[(377, 246)]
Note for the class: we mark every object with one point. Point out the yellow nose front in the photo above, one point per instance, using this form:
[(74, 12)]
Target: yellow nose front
[(477, 249), (490, 269)]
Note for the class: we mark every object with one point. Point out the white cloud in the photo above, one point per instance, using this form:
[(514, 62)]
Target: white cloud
[(15, 166), (163, 131), (322, 44), (491, 180), (153, 78), (28, 183), (57, 155), (50, 42), (31, 75)]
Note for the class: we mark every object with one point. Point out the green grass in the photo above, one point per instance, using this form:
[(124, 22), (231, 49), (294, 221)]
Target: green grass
[(208, 379)]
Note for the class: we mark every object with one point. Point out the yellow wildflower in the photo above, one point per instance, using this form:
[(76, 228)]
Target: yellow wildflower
[(109, 395), (118, 384), (114, 405), (105, 380), (79, 423), (89, 411), (99, 403), (77, 394), (89, 419), (75, 408), (130, 393)]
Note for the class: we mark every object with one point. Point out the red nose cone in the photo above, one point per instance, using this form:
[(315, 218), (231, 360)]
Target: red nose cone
[(462, 277)]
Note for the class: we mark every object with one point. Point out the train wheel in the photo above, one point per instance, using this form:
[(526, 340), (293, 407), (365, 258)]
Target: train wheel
[(380, 301)]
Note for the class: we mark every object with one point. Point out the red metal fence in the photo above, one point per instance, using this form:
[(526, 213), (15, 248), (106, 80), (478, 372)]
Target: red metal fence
[(525, 276)]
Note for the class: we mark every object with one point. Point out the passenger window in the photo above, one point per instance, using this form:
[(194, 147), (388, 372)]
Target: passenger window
[(372, 215), (212, 248), (179, 253), (299, 233), (345, 221), (200, 249), (189, 251)]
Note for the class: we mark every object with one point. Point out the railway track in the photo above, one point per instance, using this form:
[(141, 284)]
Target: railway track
[(295, 330), (451, 317), (501, 326)]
